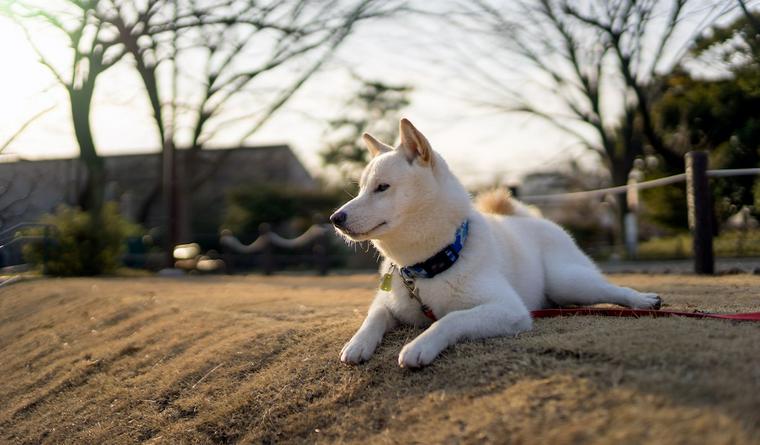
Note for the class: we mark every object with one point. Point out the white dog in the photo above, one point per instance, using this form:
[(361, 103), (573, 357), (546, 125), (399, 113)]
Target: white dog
[(463, 273)]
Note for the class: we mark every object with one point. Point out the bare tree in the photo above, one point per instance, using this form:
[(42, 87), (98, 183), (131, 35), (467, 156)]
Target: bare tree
[(12, 202), (92, 50), (13, 136), (593, 66), (15, 193), (751, 19), (375, 108), (226, 66)]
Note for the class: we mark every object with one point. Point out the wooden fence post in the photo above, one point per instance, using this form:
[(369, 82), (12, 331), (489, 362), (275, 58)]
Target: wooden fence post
[(228, 255), (267, 254), (321, 258), (700, 211), (45, 248)]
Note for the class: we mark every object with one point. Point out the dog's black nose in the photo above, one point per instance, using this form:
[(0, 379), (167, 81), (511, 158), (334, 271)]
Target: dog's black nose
[(338, 219)]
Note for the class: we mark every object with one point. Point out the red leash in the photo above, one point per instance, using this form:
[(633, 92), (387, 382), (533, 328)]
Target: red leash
[(637, 313)]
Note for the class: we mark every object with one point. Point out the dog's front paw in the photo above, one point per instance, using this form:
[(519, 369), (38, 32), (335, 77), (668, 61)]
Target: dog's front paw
[(418, 353), (357, 350), (646, 301)]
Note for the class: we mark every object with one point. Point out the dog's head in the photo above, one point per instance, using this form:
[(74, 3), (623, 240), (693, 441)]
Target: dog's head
[(393, 186)]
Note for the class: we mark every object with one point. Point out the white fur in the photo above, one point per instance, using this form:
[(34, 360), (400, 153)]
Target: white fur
[(509, 266)]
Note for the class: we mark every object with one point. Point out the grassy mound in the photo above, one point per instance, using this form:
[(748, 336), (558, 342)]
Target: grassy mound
[(255, 360)]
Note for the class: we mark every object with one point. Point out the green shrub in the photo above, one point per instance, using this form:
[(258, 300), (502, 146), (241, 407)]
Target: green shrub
[(79, 243), (666, 206), (250, 206)]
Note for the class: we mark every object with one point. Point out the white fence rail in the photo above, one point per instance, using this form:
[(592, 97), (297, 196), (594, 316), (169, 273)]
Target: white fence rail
[(659, 182)]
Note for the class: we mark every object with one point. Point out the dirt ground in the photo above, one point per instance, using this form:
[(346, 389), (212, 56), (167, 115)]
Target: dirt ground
[(255, 360)]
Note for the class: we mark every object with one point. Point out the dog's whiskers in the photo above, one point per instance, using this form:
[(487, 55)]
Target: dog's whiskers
[(347, 192)]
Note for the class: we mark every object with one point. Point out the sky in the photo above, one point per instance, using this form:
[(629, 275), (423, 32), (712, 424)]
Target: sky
[(480, 145)]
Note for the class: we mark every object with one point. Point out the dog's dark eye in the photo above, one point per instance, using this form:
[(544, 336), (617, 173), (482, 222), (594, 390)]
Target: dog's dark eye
[(381, 188)]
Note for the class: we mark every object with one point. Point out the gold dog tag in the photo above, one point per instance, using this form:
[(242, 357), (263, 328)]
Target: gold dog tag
[(387, 282)]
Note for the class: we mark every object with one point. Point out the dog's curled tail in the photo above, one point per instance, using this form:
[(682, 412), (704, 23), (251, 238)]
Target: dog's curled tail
[(499, 201)]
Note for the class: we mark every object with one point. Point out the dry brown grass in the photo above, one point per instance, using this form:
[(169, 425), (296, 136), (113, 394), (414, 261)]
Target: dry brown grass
[(255, 360)]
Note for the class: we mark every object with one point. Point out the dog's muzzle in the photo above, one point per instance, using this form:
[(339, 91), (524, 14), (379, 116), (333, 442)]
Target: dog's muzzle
[(339, 219)]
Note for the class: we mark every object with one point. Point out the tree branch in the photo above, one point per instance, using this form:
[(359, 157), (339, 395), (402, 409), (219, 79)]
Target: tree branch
[(23, 127)]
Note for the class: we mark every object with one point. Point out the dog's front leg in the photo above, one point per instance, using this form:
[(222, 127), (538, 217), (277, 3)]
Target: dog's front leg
[(487, 320), (361, 346)]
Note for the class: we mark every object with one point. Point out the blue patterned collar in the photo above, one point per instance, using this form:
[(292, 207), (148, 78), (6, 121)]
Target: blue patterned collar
[(441, 261)]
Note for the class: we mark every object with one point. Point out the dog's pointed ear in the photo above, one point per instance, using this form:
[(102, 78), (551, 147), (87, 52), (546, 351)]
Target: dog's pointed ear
[(375, 147), (414, 144)]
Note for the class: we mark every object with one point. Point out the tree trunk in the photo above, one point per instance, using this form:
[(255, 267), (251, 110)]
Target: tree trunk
[(189, 164), (92, 196), (167, 185), (143, 213), (619, 174)]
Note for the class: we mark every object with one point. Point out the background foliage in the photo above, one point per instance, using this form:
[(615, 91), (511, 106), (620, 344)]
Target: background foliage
[(248, 208), (81, 244), (374, 109)]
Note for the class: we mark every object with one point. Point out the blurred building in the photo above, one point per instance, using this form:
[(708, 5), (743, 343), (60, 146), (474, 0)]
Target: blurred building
[(29, 189)]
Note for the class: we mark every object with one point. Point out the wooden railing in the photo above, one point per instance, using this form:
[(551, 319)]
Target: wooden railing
[(264, 246), (697, 196)]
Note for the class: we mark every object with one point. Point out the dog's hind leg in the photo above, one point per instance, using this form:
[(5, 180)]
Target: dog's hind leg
[(584, 284)]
